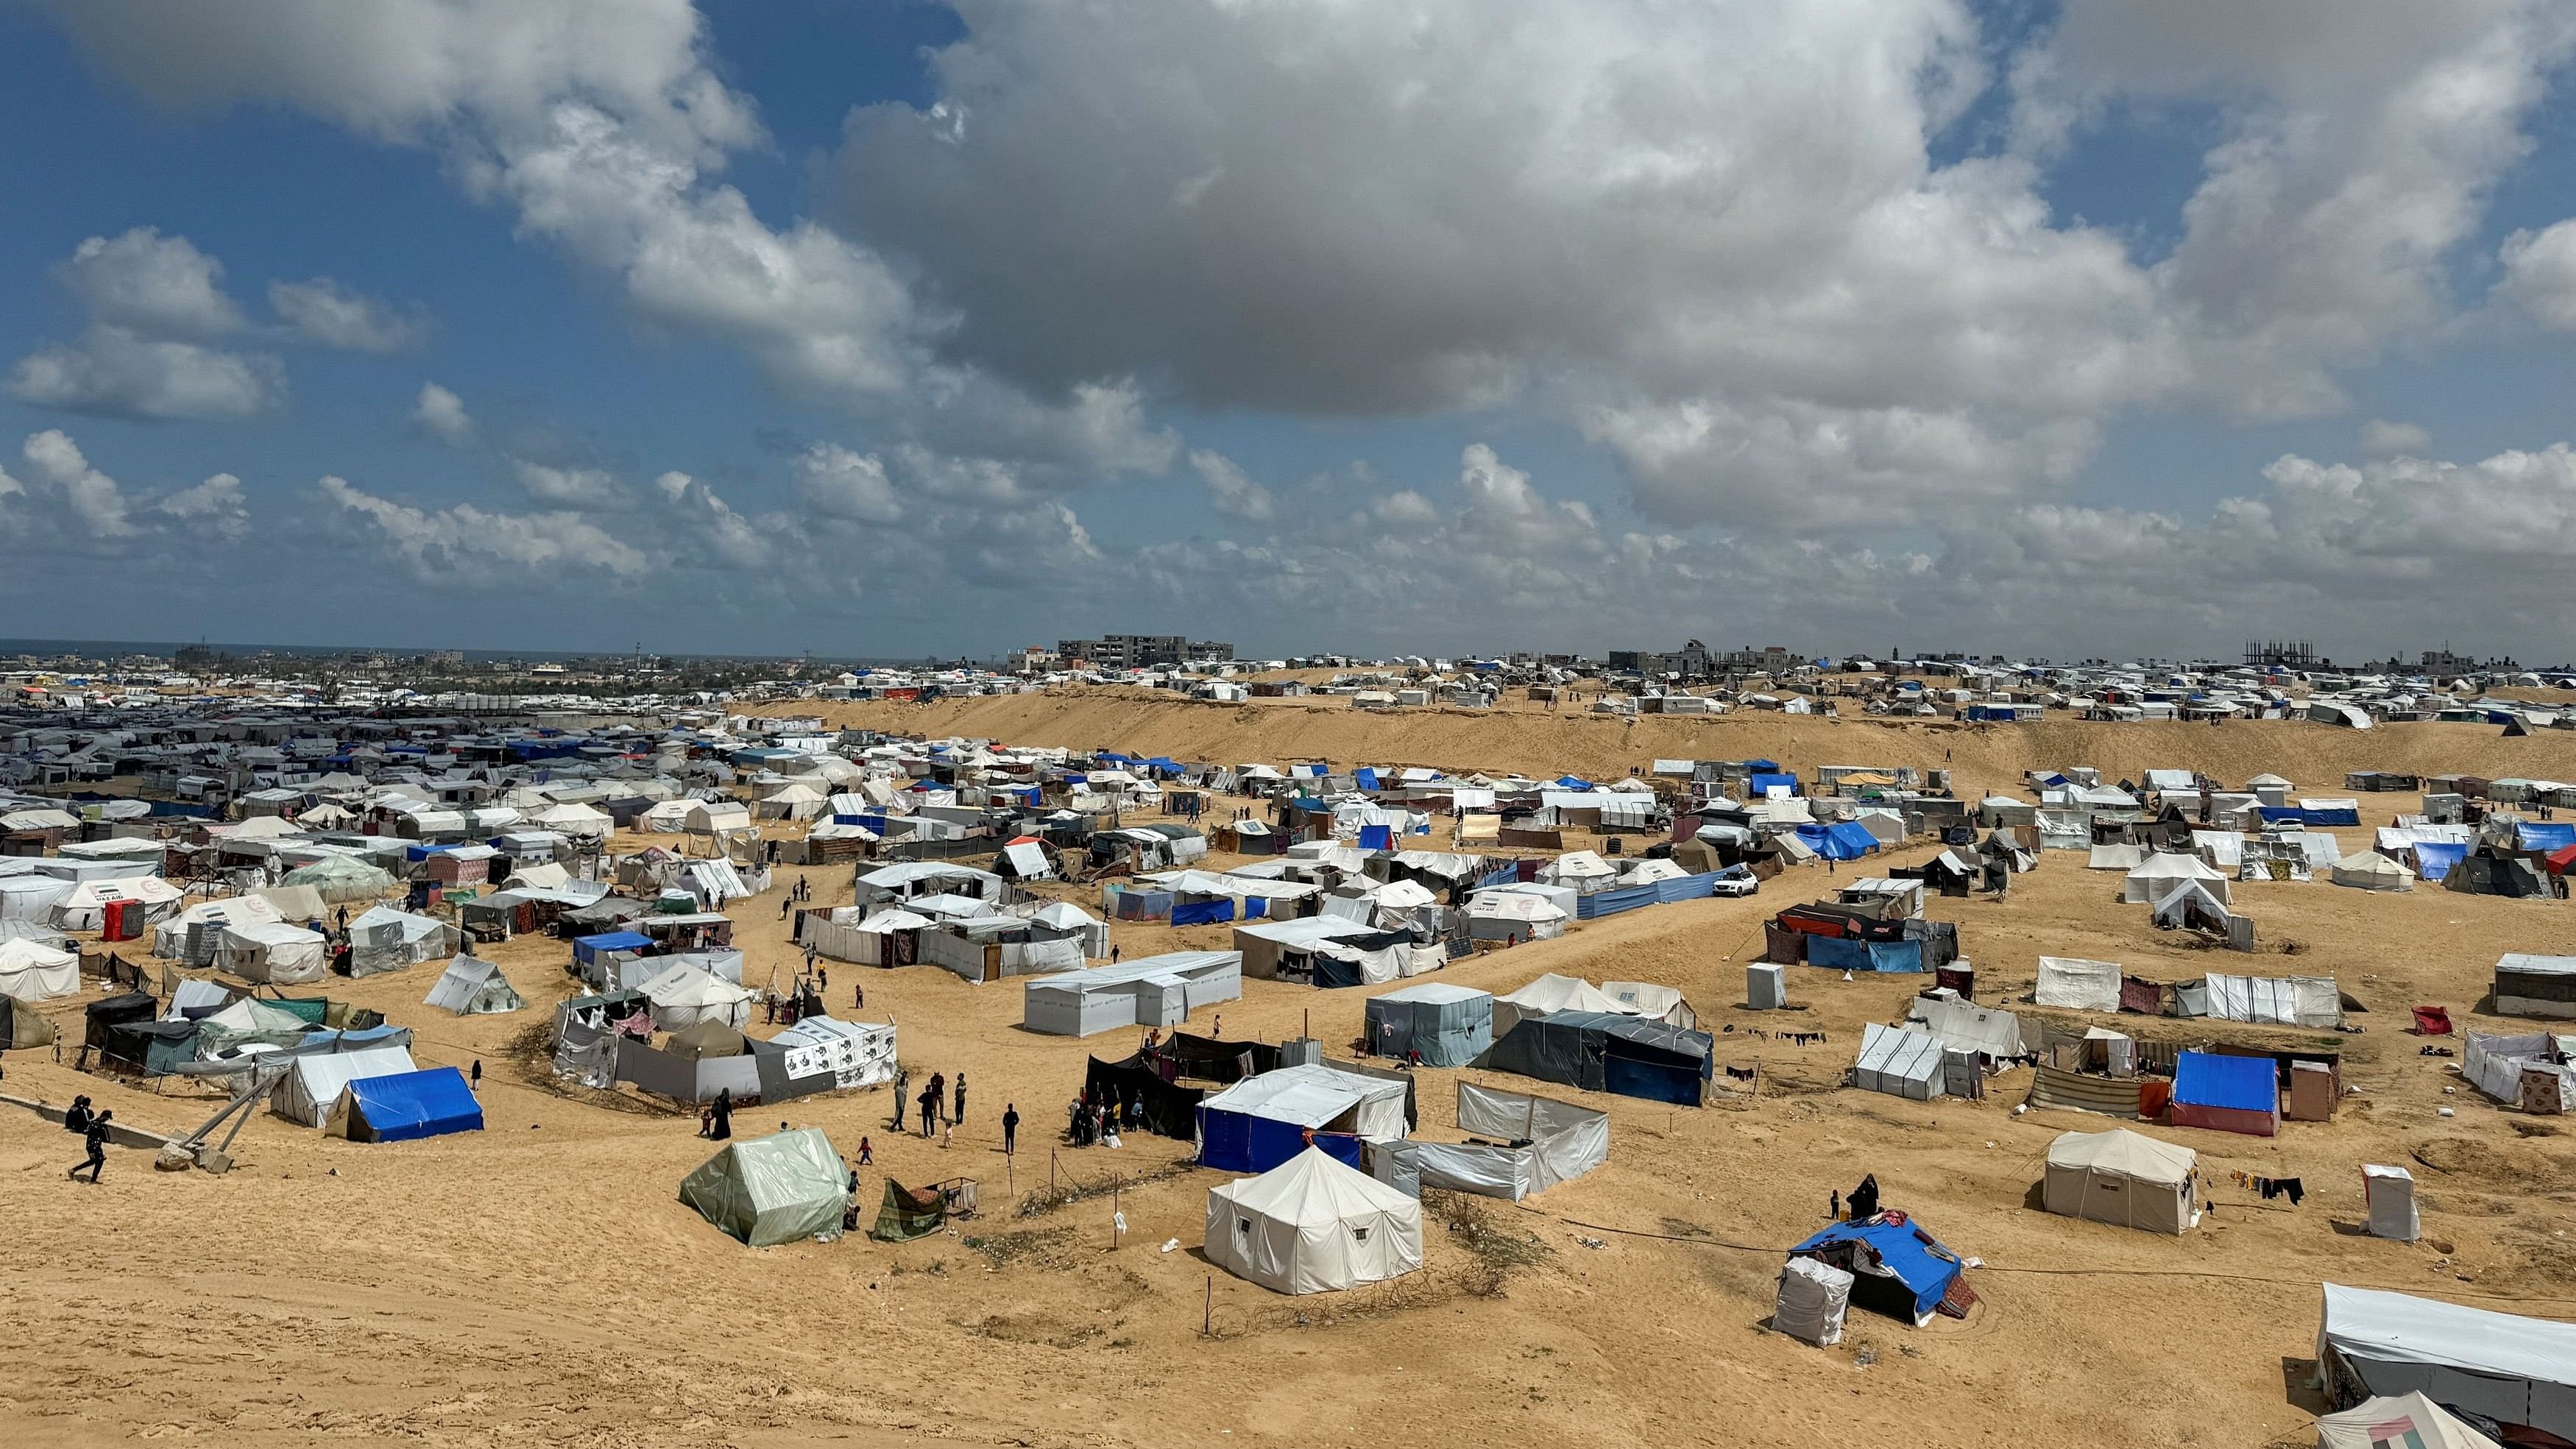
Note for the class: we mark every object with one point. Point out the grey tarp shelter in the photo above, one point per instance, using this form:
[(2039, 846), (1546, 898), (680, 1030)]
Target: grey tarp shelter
[(1449, 1026), (2498, 1366)]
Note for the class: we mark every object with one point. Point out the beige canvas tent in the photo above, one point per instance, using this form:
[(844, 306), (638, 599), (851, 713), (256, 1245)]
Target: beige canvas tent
[(2405, 1421), (2124, 1178)]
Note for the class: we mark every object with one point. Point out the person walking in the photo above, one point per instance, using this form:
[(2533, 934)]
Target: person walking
[(902, 1095), (959, 1111), (1010, 1128), (1113, 955), (721, 1127), (858, 996), (95, 1136), (478, 1074)]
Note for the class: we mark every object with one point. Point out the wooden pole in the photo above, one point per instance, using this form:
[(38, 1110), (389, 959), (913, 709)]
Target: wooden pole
[(1113, 1219), (1207, 1317)]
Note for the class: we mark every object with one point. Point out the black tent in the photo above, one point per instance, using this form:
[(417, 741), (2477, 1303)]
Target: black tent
[(1207, 1059), (1169, 1110), (1605, 1052)]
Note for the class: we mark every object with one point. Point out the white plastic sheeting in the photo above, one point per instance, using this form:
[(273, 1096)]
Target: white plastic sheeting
[(1898, 1062), (32, 971), (2075, 984), (2309, 1001), (2390, 1193), (1813, 1298), (313, 1081), (2499, 1366)]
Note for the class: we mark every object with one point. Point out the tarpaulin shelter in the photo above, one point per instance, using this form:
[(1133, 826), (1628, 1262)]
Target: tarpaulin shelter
[(2124, 1178), (2529, 985), (1137, 1089), (908, 1213), (32, 971), (22, 1027), (1811, 1302), (1842, 840), (2432, 1021), (278, 954), (1262, 1121), (770, 1190), (1313, 1225), (2079, 985), (1601, 1052), (473, 986), (314, 1080), (1898, 1062), (1447, 1026), (2502, 1367), (1897, 1267), (1155, 991), (2389, 1193), (429, 1103), (2227, 1093)]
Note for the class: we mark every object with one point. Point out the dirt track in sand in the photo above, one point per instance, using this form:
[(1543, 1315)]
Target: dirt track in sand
[(538, 1282)]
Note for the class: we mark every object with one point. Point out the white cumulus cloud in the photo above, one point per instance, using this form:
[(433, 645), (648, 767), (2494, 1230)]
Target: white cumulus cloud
[(441, 414), (325, 312)]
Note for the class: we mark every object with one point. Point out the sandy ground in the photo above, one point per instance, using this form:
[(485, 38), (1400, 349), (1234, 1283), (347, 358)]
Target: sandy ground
[(540, 1282)]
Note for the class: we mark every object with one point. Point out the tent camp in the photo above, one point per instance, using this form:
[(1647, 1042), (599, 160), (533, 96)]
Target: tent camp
[(1448, 1026), (313, 1081), (2227, 1094), (2502, 1367), (2402, 1421), (400, 1108), (770, 1190), (2124, 1178), (1313, 1225), (32, 971), (473, 986), (278, 954)]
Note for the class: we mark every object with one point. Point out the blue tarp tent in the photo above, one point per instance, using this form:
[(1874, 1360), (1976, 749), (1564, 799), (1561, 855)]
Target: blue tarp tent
[(1377, 837), (404, 1106), (588, 949), (1204, 913), (1844, 840), (1241, 1142), (1764, 781), (2545, 835), (1844, 954), (1568, 782), (1913, 1271), (1365, 778), (2434, 858), (2227, 1093)]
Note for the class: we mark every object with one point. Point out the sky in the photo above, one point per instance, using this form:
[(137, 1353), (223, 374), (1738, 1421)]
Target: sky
[(896, 328)]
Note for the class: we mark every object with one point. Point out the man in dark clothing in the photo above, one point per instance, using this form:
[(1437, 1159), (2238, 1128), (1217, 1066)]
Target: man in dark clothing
[(958, 1113), (929, 1108), (77, 1119), (96, 1136), (1010, 1128)]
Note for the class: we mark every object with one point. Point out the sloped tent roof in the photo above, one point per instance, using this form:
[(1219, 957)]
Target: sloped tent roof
[(2402, 1421), (31, 971), (2149, 879), (313, 1082), (2498, 1365), (1313, 1225), (1898, 1062), (337, 878), (706, 1040), (402, 1108), (908, 1213), (22, 1026), (474, 986), (2121, 1177), (2371, 870), (770, 1190)]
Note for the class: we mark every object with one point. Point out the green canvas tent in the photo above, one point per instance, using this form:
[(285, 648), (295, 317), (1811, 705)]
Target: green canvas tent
[(908, 1214), (773, 1189)]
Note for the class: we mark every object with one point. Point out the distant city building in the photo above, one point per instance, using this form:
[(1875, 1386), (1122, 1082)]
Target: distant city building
[(1696, 660), (1140, 651)]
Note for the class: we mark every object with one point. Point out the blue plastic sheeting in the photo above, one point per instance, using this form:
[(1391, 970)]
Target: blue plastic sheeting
[(2241, 1084), (1568, 782), (2294, 815), (1365, 778), (2545, 835), (1846, 840), (1917, 1261), (1130, 905), (588, 949), (2434, 859), (1836, 953), (408, 1105), (1763, 782), (1241, 1142), (419, 853), (1657, 893), (1204, 913), (1377, 837)]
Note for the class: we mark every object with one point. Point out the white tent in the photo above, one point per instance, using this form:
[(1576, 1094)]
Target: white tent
[(796, 802), (1582, 869), (1553, 993), (2124, 1178), (387, 939), (1157, 991), (313, 1081), (2402, 1421), (2155, 875), (1963, 1025), (580, 822), (2078, 985), (31, 971), (276, 953), (1496, 915), (2499, 1366), (84, 907), (31, 897), (684, 996), (2372, 871), (2309, 1001), (473, 986), (1313, 1225), (1898, 1062), (170, 937)]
